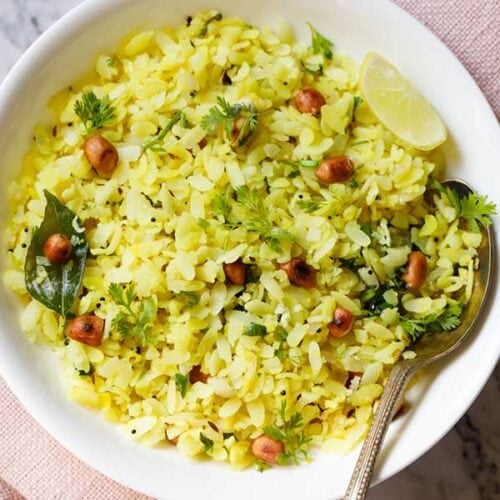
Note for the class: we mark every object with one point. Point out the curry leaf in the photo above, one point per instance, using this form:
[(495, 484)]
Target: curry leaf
[(56, 285)]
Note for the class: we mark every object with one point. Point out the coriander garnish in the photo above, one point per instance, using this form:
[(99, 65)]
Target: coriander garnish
[(207, 443), (255, 330), (134, 320), (473, 208), (446, 320), (320, 44), (181, 382), (94, 112), (238, 120), (291, 436)]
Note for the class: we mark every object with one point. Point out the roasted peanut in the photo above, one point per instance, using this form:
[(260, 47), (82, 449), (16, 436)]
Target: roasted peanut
[(415, 270), (101, 154), (343, 321), (57, 248), (196, 375), (309, 101), (267, 449), (86, 329), (236, 272), (300, 273), (336, 169)]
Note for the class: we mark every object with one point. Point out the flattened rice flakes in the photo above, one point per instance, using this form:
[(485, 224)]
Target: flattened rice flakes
[(157, 229)]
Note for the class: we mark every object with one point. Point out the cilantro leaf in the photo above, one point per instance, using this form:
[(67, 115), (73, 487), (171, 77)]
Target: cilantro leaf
[(280, 335), (253, 215), (181, 382), (320, 44), (239, 121), (313, 70), (94, 112), (207, 443), (473, 208), (192, 299), (373, 300), (221, 204), (291, 436), (310, 206), (134, 320), (203, 223), (255, 330), (448, 319), (256, 218), (476, 209)]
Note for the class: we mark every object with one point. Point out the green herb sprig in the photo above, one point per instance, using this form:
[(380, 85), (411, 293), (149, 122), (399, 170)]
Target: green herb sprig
[(255, 330), (320, 44), (256, 218), (135, 320), (252, 216), (316, 71), (153, 144), (448, 319), (191, 298), (280, 335), (221, 204), (291, 436), (94, 113), (373, 300), (207, 443), (474, 209), (310, 206), (181, 383), (226, 115)]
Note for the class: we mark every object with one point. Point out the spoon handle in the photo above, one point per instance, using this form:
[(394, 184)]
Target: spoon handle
[(363, 472)]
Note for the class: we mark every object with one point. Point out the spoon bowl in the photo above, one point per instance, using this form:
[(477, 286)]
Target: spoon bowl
[(428, 348)]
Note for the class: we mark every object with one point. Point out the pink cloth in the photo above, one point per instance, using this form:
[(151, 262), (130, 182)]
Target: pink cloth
[(471, 29), (39, 468), (35, 466)]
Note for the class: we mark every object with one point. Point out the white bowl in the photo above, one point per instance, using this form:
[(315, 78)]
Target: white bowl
[(65, 52)]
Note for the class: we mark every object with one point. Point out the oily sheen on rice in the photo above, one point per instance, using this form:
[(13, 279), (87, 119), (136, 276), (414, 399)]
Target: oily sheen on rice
[(163, 249)]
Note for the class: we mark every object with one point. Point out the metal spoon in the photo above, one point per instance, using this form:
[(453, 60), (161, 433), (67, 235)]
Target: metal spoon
[(429, 348)]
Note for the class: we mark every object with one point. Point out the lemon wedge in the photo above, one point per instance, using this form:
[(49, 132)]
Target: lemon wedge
[(399, 105)]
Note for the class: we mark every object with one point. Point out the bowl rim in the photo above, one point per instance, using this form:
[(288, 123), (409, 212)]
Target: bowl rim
[(61, 30)]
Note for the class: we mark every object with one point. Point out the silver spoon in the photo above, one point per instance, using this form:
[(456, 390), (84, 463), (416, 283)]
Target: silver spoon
[(429, 348)]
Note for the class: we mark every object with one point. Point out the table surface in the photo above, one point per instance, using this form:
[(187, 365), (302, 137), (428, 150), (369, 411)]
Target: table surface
[(462, 466)]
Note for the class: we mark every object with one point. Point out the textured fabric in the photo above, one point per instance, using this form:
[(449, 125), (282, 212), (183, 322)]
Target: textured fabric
[(33, 463), (36, 467), (471, 29)]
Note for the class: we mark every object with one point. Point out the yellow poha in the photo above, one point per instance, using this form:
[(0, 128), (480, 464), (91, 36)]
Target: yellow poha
[(158, 231)]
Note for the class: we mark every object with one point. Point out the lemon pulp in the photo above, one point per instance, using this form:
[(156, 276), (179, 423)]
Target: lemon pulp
[(399, 105)]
